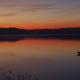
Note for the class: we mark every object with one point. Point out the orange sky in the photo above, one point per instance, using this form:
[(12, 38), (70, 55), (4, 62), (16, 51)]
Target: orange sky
[(38, 14)]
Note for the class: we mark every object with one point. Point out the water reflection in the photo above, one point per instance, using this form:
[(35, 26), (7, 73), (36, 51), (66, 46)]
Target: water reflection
[(12, 38), (48, 59)]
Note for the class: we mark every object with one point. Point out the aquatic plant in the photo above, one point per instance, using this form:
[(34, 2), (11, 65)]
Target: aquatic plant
[(17, 76)]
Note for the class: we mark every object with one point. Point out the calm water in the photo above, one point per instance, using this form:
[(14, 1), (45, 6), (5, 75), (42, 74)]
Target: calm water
[(47, 59)]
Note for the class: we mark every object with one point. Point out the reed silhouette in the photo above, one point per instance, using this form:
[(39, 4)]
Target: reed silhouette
[(17, 76)]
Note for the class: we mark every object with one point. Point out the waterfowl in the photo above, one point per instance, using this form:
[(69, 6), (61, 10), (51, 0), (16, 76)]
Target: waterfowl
[(78, 53)]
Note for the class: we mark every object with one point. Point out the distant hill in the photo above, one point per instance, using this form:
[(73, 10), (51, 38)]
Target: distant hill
[(65, 33)]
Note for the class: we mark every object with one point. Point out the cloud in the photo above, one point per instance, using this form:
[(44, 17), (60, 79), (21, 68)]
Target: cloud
[(27, 5), (37, 7), (20, 8), (7, 14)]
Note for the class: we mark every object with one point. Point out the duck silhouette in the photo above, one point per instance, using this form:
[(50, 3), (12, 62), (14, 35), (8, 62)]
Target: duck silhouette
[(78, 53)]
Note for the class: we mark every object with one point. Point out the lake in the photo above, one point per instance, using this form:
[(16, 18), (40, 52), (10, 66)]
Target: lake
[(48, 59)]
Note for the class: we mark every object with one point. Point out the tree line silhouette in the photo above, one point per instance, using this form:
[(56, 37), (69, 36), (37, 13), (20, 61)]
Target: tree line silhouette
[(16, 33)]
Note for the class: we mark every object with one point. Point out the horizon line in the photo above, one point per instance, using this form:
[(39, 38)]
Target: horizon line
[(37, 28)]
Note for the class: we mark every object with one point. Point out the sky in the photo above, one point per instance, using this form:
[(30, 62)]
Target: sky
[(39, 14)]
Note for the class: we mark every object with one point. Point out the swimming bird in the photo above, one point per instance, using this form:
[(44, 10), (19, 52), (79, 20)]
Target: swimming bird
[(78, 53)]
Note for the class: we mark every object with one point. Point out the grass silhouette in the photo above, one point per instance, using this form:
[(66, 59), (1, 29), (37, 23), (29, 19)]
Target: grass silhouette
[(17, 76)]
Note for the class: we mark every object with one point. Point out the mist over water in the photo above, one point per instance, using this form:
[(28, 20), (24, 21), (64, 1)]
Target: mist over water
[(48, 59)]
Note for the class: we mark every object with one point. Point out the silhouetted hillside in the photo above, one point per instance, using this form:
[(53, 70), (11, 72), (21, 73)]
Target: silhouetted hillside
[(42, 33)]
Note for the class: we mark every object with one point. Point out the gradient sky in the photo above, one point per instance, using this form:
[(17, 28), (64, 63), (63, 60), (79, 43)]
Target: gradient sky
[(32, 14)]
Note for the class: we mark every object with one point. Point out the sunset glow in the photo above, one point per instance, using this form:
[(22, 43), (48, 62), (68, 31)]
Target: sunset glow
[(39, 14)]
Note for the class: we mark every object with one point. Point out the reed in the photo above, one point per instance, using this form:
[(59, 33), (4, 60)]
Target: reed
[(17, 76)]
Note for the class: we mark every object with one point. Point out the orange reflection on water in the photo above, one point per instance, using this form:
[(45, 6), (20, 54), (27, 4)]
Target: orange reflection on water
[(28, 42)]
